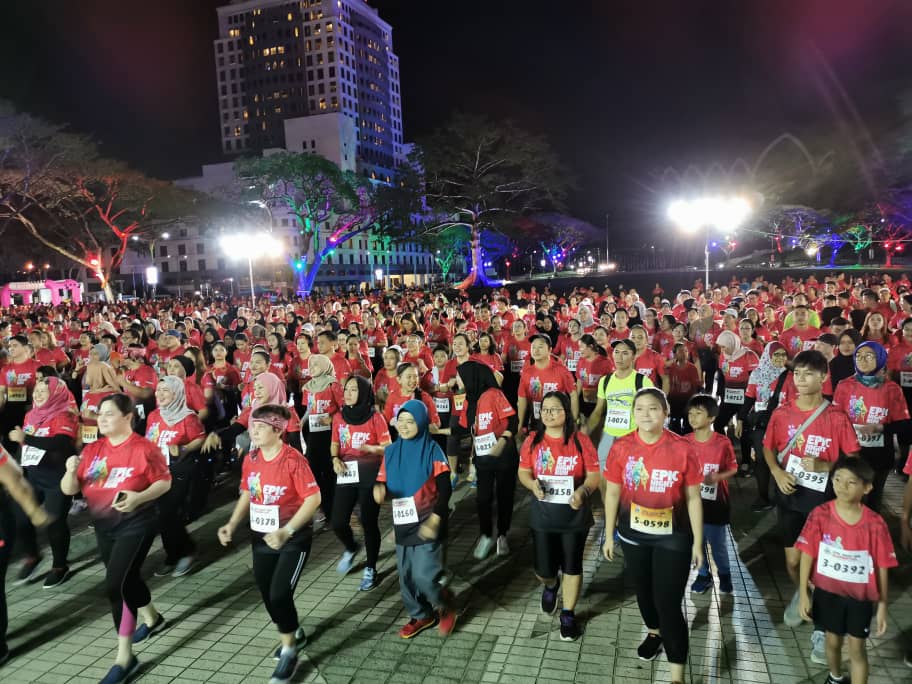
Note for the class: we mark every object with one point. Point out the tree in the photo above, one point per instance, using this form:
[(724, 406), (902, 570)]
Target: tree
[(483, 175), (448, 247), (558, 235)]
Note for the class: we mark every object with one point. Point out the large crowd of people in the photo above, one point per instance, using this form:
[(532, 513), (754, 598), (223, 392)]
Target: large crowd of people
[(634, 406)]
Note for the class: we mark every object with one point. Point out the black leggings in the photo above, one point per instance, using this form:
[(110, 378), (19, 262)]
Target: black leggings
[(553, 551), (709, 366), (46, 485), (171, 510), (500, 486), (7, 538), (276, 574), (761, 469), (726, 413), (660, 576), (123, 555), (368, 512), (321, 465)]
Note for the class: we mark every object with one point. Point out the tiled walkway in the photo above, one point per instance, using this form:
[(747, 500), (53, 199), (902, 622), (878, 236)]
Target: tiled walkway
[(220, 633)]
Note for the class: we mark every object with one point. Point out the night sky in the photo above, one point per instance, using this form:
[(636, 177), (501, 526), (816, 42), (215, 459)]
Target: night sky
[(620, 88)]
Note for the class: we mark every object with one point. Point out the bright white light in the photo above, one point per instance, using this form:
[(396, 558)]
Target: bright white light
[(244, 245), (152, 275), (543, 262), (723, 213), (811, 250), (603, 267), (166, 235), (378, 274)]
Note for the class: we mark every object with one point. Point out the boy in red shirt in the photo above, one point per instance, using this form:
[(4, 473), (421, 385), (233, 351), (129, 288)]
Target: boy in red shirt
[(846, 550)]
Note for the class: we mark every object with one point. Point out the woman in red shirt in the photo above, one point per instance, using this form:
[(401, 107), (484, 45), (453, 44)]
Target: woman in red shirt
[(220, 386), (321, 397), (121, 475), (177, 431), (652, 492), (593, 365), (559, 466), (488, 355), (280, 496), (385, 380), (357, 357), (736, 363), (407, 389), (359, 436)]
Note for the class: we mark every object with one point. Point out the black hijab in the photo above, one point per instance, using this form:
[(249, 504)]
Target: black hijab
[(477, 379), (842, 367), (362, 411)]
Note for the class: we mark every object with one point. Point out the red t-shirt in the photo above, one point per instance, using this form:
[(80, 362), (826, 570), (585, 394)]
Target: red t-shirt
[(226, 376), (196, 400), (650, 364), (340, 365), (535, 383), (163, 435), (590, 372), (491, 413), (143, 376), (492, 361), (385, 380), (19, 380), (737, 372), (294, 423), (350, 438), (715, 455), (872, 406), (652, 477), (847, 557), (326, 402), (242, 359), (798, 340), (684, 380), (396, 399), (517, 353), (663, 343), (285, 481)]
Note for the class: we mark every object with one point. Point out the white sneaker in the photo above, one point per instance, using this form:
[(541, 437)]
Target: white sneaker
[(483, 547), (503, 548), (818, 647), (792, 617)]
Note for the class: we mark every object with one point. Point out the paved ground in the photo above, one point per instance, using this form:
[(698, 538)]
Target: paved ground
[(220, 633)]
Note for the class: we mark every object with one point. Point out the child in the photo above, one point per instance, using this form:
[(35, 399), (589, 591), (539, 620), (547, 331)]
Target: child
[(717, 460), (845, 551)]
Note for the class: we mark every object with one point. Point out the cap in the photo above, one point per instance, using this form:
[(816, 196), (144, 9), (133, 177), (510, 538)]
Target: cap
[(731, 312), (626, 343), (173, 333)]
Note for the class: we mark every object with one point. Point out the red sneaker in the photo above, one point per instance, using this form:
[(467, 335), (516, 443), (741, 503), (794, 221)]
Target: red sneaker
[(447, 621), (414, 627)]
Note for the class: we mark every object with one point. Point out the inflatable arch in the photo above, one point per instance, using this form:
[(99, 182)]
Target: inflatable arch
[(58, 290)]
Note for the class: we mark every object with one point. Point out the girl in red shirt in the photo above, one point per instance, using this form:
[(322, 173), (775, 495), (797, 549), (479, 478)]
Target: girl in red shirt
[(121, 475), (593, 365), (488, 355), (357, 357), (736, 363), (359, 436), (321, 397), (385, 380), (280, 496), (407, 375)]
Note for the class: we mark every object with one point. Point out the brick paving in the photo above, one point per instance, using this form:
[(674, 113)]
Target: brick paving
[(219, 631)]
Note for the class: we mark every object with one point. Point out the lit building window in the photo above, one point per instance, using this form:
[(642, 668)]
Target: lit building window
[(251, 40), (290, 17)]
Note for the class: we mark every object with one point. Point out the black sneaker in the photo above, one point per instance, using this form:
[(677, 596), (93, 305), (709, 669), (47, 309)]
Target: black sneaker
[(569, 628), (120, 675), (164, 570), (549, 599), (650, 648), (760, 506), (842, 680), (27, 571), (56, 576), (300, 643), (285, 670)]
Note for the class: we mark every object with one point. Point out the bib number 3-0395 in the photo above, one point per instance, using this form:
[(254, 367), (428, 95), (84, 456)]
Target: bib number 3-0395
[(806, 478)]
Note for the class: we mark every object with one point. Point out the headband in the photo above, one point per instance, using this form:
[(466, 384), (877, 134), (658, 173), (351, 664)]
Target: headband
[(272, 420)]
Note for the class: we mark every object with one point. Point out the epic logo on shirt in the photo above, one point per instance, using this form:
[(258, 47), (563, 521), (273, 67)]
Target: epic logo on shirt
[(117, 477), (565, 465), (359, 439), (816, 445), (272, 493), (661, 480), (484, 420)]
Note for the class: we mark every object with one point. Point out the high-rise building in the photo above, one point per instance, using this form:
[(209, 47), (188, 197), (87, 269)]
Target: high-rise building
[(278, 60)]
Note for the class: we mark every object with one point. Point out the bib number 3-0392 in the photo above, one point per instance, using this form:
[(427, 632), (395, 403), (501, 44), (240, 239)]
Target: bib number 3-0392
[(651, 520), (844, 566)]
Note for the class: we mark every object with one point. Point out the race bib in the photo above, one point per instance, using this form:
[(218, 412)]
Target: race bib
[(458, 402), (809, 480), (905, 378), (760, 406), (651, 520), (733, 396), (404, 511), (313, 420), (516, 366), (557, 488), (351, 475), (141, 411), (442, 404), (807, 345), (571, 365), (536, 409), (484, 444), (845, 566), (875, 440), (17, 394), (264, 518), (709, 492), (617, 419), (31, 456), (89, 434), (372, 352), (166, 452)]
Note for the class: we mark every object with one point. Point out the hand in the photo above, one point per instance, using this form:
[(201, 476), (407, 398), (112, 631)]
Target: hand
[(174, 450), (338, 466), (212, 443), (434, 429), (128, 502), (72, 464), (224, 534), (379, 493), (868, 429), (804, 606), (881, 618), (578, 499), (537, 490), (430, 528), (785, 481), (739, 427), (40, 517), (499, 446), (17, 435), (696, 556), (809, 464), (905, 535), (325, 420), (276, 540), (608, 546)]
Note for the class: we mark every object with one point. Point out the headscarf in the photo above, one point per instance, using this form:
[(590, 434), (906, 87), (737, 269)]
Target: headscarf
[(100, 377), (177, 410), (842, 366), (104, 354), (322, 373), (410, 462), (275, 390), (766, 373), (59, 401), (730, 339), (363, 409), (876, 377), (477, 378)]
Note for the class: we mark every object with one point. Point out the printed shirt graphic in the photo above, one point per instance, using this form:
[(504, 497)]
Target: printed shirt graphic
[(654, 476), (350, 439), (715, 455), (796, 340), (738, 371), (163, 435), (535, 382), (285, 481), (843, 574), (872, 406), (19, 380), (396, 400), (618, 396), (650, 364)]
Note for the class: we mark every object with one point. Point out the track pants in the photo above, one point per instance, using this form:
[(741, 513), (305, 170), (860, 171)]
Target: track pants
[(46, 485), (276, 574)]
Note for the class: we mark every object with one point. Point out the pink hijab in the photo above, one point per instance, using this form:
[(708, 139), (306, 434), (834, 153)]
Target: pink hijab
[(59, 401)]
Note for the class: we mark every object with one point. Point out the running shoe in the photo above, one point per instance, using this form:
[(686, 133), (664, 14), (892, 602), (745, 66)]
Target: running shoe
[(725, 583), (347, 561), (288, 663), (569, 627), (702, 584), (28, 570), (4, 654), (119, 674), (818, 647), (483, 547), (447, 621), (907, 659), (549, 599), (368, 580), (165, 569), (791, 616), (144, 631), (183, 566), (414, 627), (650, 648), (300, 643), (503, 548), (78, 506), (832, 680), (56, 576)]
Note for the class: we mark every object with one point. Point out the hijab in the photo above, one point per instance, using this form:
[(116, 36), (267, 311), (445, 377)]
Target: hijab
[(411, 462), (477, 378), (842, 367), (177, 410), (275, 390), (766, 373), (322, 373), (876, 377), (59, 402), (363, 409), (104, 354), (730, 339)]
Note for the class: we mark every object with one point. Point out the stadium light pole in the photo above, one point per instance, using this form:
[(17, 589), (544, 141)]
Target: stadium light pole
[(250, 246)]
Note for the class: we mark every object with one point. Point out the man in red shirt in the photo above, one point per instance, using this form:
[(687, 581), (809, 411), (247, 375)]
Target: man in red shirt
[(17, 380), (327, 344), (802, 335), (546, 374)]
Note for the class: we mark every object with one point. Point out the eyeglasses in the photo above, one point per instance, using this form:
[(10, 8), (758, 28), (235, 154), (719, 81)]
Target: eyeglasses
[(552, 411), (866, 357), (785, 354)]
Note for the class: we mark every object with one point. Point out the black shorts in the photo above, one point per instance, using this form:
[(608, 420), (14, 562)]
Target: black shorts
[(842, 615), (459, 441), (555, 551), (790, 524)]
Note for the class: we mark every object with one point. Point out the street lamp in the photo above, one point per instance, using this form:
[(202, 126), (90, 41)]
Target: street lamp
[(722, 213), (251, 246)]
